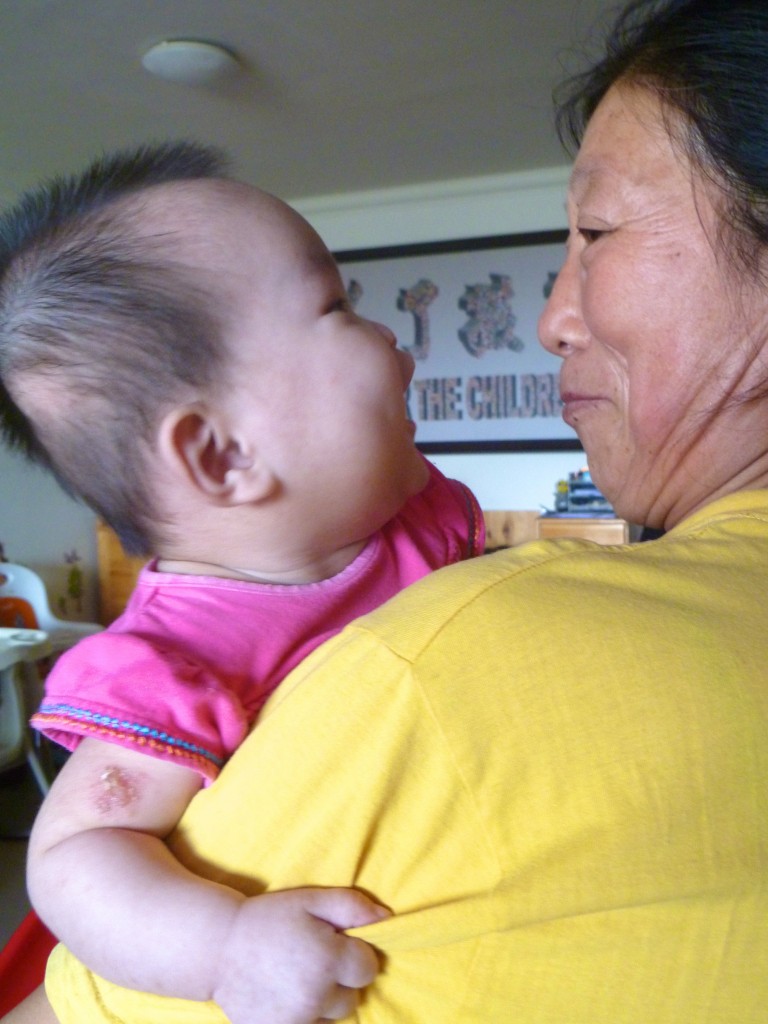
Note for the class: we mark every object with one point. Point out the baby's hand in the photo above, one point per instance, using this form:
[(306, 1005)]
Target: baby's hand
[(287, 960)]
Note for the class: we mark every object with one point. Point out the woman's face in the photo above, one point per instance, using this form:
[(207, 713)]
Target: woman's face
[(660, 337)]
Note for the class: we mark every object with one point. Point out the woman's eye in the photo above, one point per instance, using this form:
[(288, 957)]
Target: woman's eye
[(592, 234)]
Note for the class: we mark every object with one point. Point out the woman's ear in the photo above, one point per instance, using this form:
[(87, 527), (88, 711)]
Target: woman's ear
[(195, 444)]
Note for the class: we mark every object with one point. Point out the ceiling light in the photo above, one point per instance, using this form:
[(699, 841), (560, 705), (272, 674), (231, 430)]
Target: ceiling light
[(189, 61)]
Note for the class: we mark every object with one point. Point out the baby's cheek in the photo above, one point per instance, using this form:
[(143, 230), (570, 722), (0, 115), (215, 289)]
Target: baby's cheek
[(116, 789)]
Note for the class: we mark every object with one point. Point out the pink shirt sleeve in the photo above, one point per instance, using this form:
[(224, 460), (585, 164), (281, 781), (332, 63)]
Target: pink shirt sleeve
[(118, 687)]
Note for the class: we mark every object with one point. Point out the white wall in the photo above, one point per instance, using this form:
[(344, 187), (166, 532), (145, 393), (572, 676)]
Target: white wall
[(39, 524)]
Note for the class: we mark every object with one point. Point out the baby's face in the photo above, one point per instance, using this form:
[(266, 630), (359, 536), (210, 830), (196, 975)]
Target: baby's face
[(319, 390)]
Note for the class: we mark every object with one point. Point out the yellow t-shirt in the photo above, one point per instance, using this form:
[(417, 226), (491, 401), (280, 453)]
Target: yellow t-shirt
[(551, 763)]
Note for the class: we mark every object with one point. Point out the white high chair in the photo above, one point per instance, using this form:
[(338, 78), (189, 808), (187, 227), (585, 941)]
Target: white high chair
[(23, 584), (19, 679), (24, 607)]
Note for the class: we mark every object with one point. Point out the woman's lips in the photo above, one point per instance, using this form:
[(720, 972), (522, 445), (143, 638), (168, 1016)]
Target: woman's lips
[(575, 403)]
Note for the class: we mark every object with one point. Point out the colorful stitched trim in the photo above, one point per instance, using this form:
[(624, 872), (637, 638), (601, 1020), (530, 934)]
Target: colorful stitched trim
[(62, 714)]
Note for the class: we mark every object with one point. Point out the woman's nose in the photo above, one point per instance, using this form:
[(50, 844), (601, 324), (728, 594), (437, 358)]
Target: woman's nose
[(561, 327)]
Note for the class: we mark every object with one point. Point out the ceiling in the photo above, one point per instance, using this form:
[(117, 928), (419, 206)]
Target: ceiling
[(334, 95)]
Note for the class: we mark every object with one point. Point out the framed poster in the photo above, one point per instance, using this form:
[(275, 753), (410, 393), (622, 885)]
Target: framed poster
[(467, 311)]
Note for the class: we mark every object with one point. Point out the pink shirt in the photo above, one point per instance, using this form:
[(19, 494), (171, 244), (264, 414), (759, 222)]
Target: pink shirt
[(182, 674)]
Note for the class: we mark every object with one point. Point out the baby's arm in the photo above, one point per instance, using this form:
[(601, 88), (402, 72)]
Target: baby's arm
[(102, 879)]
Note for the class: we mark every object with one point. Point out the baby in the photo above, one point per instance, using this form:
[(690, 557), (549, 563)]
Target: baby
[(178, 348)]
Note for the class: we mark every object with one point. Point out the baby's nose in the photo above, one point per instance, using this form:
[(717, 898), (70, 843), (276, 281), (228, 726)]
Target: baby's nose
[(387, 332)]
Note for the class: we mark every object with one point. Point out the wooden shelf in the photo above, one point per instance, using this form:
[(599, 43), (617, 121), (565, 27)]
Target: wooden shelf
[(117, 574)]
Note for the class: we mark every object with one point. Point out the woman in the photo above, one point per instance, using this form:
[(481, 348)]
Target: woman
[(659, 311), (553, 763)]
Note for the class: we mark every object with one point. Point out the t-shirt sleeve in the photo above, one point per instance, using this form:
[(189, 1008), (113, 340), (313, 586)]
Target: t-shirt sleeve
[(125, 690)]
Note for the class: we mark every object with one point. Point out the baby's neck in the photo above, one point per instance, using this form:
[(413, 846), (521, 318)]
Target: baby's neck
[(310, 571)]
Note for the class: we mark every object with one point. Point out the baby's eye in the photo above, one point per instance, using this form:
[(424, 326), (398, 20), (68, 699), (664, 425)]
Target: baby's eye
[(341, 305)]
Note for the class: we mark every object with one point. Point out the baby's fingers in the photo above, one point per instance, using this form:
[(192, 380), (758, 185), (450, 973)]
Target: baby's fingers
[(343, 908), (341, 1004), (358, 963)]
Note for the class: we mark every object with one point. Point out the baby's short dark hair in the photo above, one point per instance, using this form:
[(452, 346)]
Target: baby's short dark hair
[(99, 329)]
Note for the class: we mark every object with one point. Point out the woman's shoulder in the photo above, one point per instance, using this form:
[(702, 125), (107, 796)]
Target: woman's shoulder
[(580, 587)]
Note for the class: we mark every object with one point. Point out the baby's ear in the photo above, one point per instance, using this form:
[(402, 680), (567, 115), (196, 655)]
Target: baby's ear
[(195, 443)]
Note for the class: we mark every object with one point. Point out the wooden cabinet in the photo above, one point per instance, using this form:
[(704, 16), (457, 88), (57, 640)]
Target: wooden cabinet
[(600, 529), (505, 528)]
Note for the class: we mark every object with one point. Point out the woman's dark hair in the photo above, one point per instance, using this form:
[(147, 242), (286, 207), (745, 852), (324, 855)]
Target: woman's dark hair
[(99, 328), (706, 60)]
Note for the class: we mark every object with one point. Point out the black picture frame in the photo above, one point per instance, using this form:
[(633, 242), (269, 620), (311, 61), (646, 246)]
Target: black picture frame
[(467, 310)]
